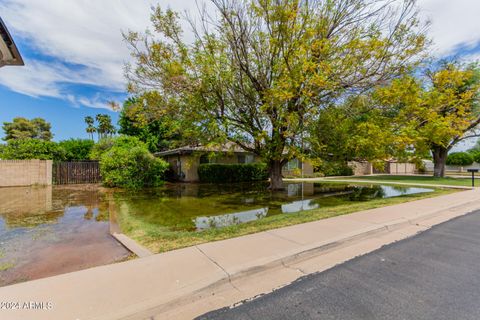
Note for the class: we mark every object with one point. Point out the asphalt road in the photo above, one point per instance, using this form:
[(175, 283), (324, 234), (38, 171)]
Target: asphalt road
[(434, 275)]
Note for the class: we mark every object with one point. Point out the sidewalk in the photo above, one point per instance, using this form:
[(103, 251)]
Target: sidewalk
[(160, 283)]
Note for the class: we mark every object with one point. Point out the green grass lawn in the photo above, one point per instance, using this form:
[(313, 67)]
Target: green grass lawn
[(466, 182), (160, 239)]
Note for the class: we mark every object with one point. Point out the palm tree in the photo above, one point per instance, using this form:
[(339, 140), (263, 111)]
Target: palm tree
[(90, 126), (105, 127), (111, 130)]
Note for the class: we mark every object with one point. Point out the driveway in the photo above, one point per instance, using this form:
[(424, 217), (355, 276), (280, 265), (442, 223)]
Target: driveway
[(434, 275)]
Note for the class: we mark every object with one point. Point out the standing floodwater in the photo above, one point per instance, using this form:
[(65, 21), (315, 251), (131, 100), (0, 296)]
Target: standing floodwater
[(196, 207), (46, 231)]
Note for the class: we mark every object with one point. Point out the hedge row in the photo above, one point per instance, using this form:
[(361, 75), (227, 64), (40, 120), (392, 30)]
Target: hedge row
[(218, 173)]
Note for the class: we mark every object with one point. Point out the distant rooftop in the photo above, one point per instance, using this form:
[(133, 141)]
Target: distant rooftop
[(9, 55)]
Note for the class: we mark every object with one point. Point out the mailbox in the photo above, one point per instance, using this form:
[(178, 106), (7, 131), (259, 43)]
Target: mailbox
[(473, 171)]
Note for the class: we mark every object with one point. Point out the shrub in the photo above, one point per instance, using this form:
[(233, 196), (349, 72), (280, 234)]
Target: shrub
[(421, 169), (460, 159), (333, 169), (76, 149), (25, 149), (129, 164), (219, 173), (475, 154)]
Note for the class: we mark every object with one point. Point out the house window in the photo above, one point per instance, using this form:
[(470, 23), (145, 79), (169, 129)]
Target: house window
[(241, 158), (209, 158), (245, 158)]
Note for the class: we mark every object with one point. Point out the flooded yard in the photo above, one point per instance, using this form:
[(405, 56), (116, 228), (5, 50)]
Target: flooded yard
[(46, 231), (196, 207)]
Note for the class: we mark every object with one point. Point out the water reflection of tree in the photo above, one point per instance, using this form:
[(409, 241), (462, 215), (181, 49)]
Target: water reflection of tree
[(29, 207), (175, 205), (400, 189), (88, 196), (364, 193), (321, 188), (208, 190)]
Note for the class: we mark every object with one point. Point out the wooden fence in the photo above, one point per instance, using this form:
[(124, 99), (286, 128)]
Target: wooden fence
[(80, 172)]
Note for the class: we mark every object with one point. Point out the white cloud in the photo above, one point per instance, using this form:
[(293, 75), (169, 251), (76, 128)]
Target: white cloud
[(455, 24), (83, 33), (46, 79), (95, 102), (35, 80), (87, 34)]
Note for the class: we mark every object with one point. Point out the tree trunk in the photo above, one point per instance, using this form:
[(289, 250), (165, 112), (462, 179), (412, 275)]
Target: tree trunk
[(439, 161), (276, 179)]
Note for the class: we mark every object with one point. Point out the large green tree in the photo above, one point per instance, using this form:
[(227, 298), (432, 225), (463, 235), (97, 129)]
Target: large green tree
[(437, 108), (22, 128), (158, 133), (258, 71), (354, 130)]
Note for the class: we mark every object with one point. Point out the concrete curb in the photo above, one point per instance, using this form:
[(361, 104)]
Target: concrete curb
[(133, 246)]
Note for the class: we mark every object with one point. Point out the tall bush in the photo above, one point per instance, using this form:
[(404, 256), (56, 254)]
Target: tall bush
[(219, 173), (77, 149), (460, 159), (129, 164)]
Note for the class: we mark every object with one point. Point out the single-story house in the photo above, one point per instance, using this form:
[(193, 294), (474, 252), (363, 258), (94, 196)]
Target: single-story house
[(186, 160), (9, 55)]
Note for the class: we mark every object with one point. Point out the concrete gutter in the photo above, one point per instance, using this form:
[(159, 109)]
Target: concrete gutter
[(182, 283)]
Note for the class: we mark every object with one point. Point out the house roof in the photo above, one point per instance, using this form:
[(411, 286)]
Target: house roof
[(229, 147), (9, 55)]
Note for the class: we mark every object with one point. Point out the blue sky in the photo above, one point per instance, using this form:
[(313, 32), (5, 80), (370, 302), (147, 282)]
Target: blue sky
[(74, 56), (74, 53)]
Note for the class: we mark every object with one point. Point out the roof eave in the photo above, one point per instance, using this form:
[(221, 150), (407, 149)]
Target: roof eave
[(17, 57), (175, 152)]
